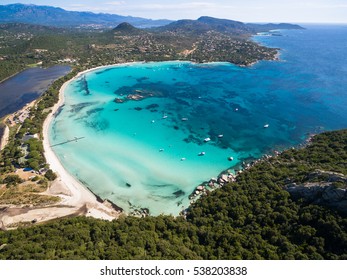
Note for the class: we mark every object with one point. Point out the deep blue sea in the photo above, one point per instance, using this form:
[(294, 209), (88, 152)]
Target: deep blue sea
[(147, 153)]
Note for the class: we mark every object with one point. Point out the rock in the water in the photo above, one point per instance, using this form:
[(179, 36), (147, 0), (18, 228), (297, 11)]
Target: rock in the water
[(179, 193), (225, 178)]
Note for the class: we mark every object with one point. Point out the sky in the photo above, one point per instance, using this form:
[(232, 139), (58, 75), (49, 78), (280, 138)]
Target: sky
[(294, 11)]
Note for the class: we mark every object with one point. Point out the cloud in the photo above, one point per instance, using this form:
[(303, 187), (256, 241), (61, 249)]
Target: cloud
[(82, 8), (179, 6), (315, 5), (115, 3), (77, 5)]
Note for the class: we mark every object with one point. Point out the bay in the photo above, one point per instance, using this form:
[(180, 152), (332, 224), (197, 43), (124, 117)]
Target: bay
[(152, 153)]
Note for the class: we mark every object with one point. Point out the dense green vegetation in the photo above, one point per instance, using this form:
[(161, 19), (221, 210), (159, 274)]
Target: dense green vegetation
[(11, 180), (253, 218)]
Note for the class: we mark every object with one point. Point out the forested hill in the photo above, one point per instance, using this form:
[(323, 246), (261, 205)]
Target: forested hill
[(253, 218), (206, 24)]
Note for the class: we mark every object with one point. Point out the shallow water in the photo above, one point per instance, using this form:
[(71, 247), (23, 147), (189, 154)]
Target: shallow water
[(132, 152)]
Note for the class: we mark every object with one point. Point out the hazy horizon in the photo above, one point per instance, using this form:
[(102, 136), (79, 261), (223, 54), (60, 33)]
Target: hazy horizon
[(295, 11)]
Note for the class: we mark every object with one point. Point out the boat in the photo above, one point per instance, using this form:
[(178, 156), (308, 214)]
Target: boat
[(164, 117), (201, 154), (266, 125), (161, 150), (220, 135), (207, 139), (184, 119), (183, 159), (230, 158)]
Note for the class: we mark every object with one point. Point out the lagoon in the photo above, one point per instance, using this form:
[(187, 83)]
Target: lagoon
[(27, 86)]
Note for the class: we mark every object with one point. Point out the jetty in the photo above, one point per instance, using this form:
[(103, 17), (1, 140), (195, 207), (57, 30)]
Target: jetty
[(68, 141)]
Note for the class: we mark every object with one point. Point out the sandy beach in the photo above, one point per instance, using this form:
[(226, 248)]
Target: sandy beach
[(76, 199), (77, 195), (4, 138)]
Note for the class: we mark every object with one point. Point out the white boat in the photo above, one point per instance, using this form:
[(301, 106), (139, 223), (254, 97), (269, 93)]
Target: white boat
[(220, 135), (266, 125), (184, 119), (230, 158), (201, 154), (161, 150), (164, 117), (183, 159), (207, 139)]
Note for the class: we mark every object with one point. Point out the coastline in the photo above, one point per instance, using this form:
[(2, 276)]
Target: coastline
[(10, 117), (79, 195), (75, 198), (9, 77)]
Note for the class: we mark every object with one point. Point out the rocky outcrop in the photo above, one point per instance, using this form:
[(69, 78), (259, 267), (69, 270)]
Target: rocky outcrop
[(2, 227), (331, 192), (213, 184)]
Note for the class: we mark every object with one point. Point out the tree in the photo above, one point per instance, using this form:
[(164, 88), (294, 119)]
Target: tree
[(12, 180), (50, 175)]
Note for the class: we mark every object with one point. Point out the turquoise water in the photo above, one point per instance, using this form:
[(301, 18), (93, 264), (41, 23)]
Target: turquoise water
[(132, 153)]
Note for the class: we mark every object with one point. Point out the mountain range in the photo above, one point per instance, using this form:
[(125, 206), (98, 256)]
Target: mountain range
[(58, 17)]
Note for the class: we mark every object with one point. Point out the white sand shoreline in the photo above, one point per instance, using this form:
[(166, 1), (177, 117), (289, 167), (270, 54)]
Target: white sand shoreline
[(76, 199), (79, 195)]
